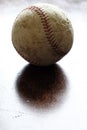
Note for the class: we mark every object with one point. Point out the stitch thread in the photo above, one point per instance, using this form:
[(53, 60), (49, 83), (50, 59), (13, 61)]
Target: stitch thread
[(47, 29)]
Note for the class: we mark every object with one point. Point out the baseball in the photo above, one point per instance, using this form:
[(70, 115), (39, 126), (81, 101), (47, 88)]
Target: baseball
[(42, 34)]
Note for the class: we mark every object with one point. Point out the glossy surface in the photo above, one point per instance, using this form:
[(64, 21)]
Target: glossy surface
[(52, 98)]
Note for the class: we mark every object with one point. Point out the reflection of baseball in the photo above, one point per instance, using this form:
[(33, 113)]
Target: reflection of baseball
[(42, 34)]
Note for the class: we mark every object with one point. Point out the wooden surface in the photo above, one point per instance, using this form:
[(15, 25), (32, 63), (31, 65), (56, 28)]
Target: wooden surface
[(49, 98)]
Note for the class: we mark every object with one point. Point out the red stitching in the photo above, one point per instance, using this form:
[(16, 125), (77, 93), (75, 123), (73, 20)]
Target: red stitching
[(48, 29)]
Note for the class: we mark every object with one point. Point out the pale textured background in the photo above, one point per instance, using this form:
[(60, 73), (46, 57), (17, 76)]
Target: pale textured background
[(68, 114), (63, 3)]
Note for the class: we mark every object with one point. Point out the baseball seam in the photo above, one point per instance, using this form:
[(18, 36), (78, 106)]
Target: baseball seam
[(45, 20)]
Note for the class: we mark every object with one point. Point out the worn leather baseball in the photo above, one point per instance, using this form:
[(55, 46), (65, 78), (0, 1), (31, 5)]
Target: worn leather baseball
[(42, 34)]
